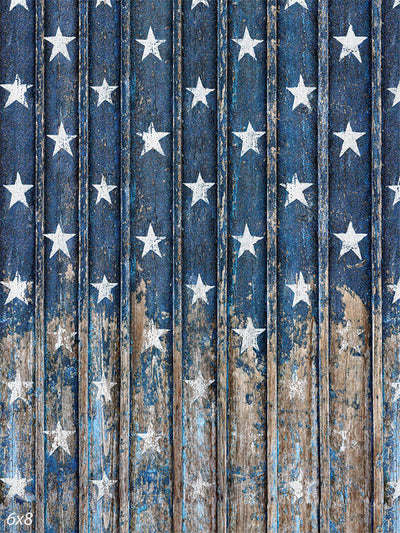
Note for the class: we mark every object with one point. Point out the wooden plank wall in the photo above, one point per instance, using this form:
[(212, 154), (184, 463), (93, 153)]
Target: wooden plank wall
[(199, 326)]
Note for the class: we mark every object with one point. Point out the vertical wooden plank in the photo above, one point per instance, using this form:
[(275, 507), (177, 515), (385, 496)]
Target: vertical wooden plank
[(297, 267), (350, 266), (152, 242), (17, 248)]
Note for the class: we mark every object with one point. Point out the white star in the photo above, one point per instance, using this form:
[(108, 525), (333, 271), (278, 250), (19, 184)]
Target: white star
[(396, 289), (60, 439), (150, 242), (199, 387), (104, 92), (104, 288), (59, 241), (295, 190), (103, 486), (151, 336), (18, 191), (249, 139), (15, 3), (105, 2), (17, 289), (396, 92), (350, 241), (396, 394), (59, 42), (150, 440), (247, 242), (151, 45), (349, 138), (17, 485), (103, 190), (18, 388), (290, 3), (200, 290), (247, 45), (396, 486), (197, 2), (104, 388), (296, 487), (350, 44), (62, 140), (300, 290), (152, 139), (63, 338), (301, 93), (16, 92), (396, 190), (199, 93), (199, 486), (396, 3), (249, 335), (199, 189)]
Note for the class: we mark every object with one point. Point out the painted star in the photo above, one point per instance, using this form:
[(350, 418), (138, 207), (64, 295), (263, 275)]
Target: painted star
[(350, 44), (199, 387), (64, 338), (104, 92), (104, 388), (59, 42), (18, 388), (17, 485), (396, 289), (62, 140), (151, 336), (18, 191), (290, 3), (104, 288), (103, 486), (60, 439), (150, 242), (247, 242), (197, 2), (17, 289), (300, 290), (295, 190), (105, 2), (396, 394), (17, 92), (103, 190), (199, 93), (150, 440), (249, 139), (396, 486), (396, 3), (152, 139), (249, 335), (199, 189), (350, 241), (296, 486), (15, 3), (349, 138), (301, 93), (59, 241), (395, 91), (200, 290), (199, 487), (396, 190), (247, 45), (151, 45)]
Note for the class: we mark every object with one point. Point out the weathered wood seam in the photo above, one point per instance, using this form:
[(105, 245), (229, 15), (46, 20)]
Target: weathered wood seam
[(376, 260), (83, 267), (323, 262), (272, 384), (125, 281), (39, 266), (177, 267)]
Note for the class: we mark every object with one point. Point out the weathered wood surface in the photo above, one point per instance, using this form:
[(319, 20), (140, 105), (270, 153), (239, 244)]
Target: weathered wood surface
[(236, 370)]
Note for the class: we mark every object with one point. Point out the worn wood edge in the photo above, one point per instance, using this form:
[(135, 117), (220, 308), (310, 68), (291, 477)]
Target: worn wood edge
[(83, 267), (376, 256), (125, 251), (177, 509), (39, 266), (323, 264), (222, 266), (272, 329)]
